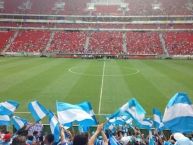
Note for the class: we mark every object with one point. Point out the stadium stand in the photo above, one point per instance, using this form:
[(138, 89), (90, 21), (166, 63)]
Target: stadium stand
[(116, 27), (68, 42), (68, 7), (105, 43), (4, 37), (141, 43), (30, 41), (179, 43)]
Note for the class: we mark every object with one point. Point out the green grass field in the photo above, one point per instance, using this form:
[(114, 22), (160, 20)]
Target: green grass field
[(107, 84)]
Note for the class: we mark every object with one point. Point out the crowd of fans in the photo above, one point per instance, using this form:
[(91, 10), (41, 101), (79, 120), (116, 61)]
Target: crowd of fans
[(33, 134), (179, 43), (68, 42), (144, 43), (87, 42), (106, 43), (4, 37), (30, 41)]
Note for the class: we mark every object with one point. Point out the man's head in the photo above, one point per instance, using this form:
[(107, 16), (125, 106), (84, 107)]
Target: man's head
[(81, 139), (49, 139)]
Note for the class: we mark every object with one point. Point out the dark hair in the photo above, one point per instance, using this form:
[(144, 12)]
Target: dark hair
[(30, 137), (81, 139), (35, 133), (49, 138), (19, 140)]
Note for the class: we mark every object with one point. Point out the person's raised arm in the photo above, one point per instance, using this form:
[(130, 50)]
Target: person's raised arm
[(105, 139), (94, 136)]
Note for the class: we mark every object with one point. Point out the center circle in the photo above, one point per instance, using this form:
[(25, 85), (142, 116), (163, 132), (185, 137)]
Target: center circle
[(79, 71)]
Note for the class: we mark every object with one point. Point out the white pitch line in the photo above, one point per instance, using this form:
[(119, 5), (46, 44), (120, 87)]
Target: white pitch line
[(101, 92)]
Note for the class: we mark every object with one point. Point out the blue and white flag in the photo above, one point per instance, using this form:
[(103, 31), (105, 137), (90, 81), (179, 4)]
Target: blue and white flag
[(120, 120), (113, 140), (157, 118), (146, 123), (178, 115), (37, 110), (8, 107), (88, 108), (151, 140), (69, 113), (19, 122), (54, 126), (134, 109), (109, 126), (4, 120)]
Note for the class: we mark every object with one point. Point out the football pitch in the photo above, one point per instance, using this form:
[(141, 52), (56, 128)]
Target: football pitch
[(107, 84)]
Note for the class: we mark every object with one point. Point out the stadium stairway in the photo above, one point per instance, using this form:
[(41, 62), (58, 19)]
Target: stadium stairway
[(163, 44), (11, 40), (125, 43), (50, 41), (87, 42)]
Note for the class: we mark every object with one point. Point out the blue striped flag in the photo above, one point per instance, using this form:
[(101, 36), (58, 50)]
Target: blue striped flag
[(69, 113), (151, 140), (178, 115), (113, 140), (88, 108), (8, 107), (37, 110), (19, 122), (4, 120), (134, 109), (54, 126), (157, 118)]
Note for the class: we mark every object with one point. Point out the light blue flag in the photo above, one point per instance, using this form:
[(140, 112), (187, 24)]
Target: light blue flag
[(54, 126), (37, 110), (146, 123), (19, 122), (151, 140), (120, 120), (109, 126), (157, 118), (88, 108), (134, 109), (113, 140), (4, 120), (8, 107), (69, 113), (178, 115)]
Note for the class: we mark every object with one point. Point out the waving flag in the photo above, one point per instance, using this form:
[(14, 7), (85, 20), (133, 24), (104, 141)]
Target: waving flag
[(134, 109), (19, 122), (151, 140), (8, 107), (68, 113), (178, 115), (146, 123), (109, 126), (88, 108), (120, 120), (4, 120), (113, 140), (157, 117), (54, 126), (37, 110)]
